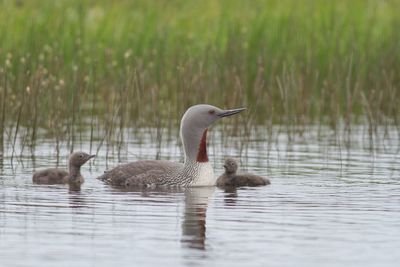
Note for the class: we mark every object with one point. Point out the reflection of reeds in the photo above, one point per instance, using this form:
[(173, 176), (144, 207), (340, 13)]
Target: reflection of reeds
[(17, 125), (3, 93)]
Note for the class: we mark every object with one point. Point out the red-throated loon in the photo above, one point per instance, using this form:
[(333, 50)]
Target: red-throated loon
[(196, 169)]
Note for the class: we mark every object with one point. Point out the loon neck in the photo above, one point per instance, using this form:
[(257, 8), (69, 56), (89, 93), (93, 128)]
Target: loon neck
[(197, 170), (195, 145), (74, 171), (202, 151)]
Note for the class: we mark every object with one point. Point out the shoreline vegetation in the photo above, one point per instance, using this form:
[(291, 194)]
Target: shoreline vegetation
[(99, 66)]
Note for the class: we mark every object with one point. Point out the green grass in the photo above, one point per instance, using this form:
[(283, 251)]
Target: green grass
[(68, 65)]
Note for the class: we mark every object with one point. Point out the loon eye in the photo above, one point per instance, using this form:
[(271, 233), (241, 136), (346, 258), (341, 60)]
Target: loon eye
[(81, 156), (211, 112)]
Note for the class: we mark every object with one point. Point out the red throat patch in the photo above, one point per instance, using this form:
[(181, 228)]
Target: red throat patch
[(202, 154)]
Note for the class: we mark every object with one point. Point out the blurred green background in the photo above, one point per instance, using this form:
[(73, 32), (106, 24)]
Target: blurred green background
[(141, 63)]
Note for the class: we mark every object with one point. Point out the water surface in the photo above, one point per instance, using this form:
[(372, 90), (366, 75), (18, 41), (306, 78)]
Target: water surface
[(334, 201)]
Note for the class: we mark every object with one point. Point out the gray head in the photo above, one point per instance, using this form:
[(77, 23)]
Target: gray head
[(230, 166), (202, 116), (77, 159), (195, 122)]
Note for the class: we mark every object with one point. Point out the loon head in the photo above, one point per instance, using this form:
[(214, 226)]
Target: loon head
[(230, 166), (194, 125), (77, 159)]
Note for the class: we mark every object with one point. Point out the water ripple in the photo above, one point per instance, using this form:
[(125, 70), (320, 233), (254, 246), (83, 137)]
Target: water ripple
[(326, 206)]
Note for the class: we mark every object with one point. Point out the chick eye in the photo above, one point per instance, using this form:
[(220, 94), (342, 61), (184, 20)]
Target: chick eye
[(81, 156)]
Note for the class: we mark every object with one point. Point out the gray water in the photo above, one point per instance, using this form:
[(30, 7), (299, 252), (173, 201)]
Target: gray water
[(334, 201)]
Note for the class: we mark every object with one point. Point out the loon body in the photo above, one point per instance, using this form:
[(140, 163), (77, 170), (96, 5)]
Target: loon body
[(196, 169)]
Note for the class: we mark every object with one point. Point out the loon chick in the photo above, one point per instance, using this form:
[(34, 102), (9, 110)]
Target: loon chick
[(230, 178), (196, 169), (59, 176)]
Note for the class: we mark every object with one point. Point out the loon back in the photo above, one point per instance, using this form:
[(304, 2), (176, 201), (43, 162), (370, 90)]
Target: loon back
[(144, 170)]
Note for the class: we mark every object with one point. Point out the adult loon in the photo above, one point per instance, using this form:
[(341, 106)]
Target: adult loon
[(196, 169)]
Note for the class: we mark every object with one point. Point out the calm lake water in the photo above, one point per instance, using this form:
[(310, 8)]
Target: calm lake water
[(334, 201)]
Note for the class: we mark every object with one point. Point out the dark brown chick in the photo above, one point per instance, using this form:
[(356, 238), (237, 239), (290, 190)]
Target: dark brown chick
[(60, 176), (232, 179)]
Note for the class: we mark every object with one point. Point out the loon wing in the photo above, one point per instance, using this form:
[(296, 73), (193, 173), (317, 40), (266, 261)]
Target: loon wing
[(148, 178), (138, 170)]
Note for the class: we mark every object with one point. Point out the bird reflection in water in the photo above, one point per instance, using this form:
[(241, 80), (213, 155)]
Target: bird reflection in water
[(194, 220), (74, 187), (230, 195), (76, 198), (194, 216)]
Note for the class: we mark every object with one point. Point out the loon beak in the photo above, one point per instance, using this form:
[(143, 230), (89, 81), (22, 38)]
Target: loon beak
[(230, 112)]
